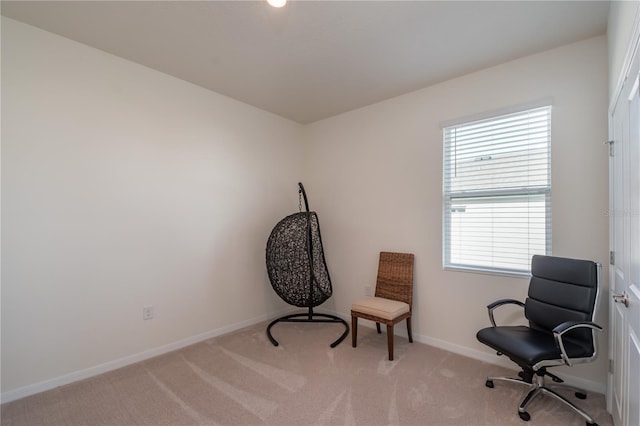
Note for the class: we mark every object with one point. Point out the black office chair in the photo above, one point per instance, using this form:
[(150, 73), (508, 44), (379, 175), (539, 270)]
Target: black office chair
[(560, 307)]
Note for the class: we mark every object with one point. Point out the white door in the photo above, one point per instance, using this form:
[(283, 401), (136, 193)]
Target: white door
[(624, 295)]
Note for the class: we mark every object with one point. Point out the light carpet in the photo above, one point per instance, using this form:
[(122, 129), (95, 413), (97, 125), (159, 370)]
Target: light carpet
[(241, 379)]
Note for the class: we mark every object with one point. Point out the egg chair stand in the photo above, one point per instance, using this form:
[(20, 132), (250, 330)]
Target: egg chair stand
[(310, 317), (297, 268)]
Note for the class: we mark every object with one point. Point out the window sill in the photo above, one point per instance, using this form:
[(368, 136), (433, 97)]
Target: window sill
[(498, 272)]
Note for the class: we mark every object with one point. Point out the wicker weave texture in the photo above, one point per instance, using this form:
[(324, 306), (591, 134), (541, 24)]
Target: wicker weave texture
[(395, 282), (395, 277), (295, 261)]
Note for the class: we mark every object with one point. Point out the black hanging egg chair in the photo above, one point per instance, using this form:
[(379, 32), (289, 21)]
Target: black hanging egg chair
[(297, 268)]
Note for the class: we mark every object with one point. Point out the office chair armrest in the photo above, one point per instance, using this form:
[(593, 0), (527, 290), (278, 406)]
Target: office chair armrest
[(570, 325), (497, 303), (565, 327)]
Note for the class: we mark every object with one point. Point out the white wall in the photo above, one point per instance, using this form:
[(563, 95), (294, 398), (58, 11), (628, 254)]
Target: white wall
[(124, 187), (376, 179)]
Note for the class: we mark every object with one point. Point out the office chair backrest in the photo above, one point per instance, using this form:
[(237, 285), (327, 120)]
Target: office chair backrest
[(562, 290), (395, 277)]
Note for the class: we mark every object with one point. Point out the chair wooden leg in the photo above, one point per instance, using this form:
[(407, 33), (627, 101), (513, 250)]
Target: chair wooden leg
[(390, 341), (378, 327), (354, 330), (409, 329)]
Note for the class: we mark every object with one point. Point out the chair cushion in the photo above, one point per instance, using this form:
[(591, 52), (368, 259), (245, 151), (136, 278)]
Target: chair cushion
[(526, 346), (380, 307)]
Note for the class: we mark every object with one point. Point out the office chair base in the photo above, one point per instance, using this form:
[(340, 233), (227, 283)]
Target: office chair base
[(524, 416), (537, 387)]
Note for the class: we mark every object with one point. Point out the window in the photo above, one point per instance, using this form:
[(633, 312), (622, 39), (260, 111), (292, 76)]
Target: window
[(497, 192)]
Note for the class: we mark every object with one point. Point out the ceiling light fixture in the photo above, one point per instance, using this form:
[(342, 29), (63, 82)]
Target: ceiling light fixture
[(277, 3)]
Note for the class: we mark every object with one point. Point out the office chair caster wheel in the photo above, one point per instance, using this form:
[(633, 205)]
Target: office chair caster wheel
[(581, 395), (524, 416), (489, 384)]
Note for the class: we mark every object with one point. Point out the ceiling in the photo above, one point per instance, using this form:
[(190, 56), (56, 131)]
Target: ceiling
[(314, 59)]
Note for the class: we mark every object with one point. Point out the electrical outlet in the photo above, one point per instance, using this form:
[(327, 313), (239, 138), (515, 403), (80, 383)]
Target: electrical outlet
[(367, 290), (147, 312)]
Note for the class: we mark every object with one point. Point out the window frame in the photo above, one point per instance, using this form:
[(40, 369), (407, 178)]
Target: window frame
[(498, 194)]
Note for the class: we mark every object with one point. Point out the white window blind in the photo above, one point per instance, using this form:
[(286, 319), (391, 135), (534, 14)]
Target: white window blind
[(497, 192)]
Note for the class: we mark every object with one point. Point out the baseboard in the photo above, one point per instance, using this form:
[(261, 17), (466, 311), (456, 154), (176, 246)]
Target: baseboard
[(488, 357), (491, 358), (46, 385), (75, 376)]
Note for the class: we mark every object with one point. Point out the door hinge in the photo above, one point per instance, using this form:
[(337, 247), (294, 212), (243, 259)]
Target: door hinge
[(610, 143), (611, 366), (612, 257)]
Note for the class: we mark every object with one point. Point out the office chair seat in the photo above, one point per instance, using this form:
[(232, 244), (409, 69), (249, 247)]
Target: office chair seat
[(526, 346)]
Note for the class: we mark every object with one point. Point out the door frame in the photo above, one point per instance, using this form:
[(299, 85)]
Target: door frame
[(632, 54)]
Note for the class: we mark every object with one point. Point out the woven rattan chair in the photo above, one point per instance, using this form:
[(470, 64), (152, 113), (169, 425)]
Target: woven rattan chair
[(392, 301)]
